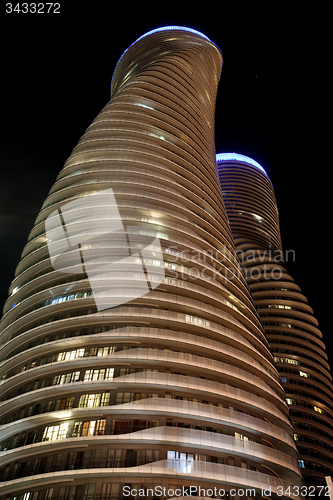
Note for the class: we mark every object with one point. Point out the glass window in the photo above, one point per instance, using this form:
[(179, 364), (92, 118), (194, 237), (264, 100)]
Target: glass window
[(89, 490), (92, 400), (110, 491), (289, 401), (55, 432), (66, 378), (99, 374), (89, 428)]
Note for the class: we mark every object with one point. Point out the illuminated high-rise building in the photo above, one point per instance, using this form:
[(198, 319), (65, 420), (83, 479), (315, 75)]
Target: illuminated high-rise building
[(109, 387), (288, 320)]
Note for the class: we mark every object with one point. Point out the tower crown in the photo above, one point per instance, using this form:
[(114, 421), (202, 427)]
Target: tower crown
[(239, 157), (156, 45)]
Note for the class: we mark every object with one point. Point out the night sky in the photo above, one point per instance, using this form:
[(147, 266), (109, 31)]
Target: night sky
[(272, 105)]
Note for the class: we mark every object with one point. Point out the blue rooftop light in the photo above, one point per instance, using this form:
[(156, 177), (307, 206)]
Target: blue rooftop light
[(174, 28), (239, 157)]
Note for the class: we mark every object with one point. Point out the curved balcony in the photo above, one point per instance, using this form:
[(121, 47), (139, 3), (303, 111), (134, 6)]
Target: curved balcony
[(223, 477)]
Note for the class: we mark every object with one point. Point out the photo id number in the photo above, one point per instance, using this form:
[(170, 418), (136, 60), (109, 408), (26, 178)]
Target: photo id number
[(33, 8)]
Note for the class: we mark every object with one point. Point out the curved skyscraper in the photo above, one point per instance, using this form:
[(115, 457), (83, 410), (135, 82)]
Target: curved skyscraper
[(290, 327), (133, 362)]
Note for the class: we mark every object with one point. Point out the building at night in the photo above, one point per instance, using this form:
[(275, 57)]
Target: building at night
[(109, 387), (288, 320)]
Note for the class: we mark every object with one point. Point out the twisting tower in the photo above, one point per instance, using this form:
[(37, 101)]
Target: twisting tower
[(290, 327), (175, 388)]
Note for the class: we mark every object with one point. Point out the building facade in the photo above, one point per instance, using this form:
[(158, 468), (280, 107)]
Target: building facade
[(163, 390), (288, 320)]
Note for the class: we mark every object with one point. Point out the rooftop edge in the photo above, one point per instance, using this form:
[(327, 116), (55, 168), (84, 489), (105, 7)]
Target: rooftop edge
[(239, 157)]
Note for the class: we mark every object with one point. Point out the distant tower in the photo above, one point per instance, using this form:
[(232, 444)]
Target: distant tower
[(290, 327), (173, 387)]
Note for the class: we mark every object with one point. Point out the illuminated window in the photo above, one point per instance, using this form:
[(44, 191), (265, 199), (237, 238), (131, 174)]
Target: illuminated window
[(89, 428), (101, 374), (319, 410), (55, 432), (279, 306), (101, 351), (196, 320), (66, 378), (92, 400), (286, 360), (240, 436), (64, 356)]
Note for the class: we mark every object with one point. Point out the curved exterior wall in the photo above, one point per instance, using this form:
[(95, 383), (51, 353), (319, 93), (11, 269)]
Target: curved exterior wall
[(173, 388), (290, 327)]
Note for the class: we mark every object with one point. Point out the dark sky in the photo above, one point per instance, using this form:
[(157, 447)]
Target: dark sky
[(272, 105)]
